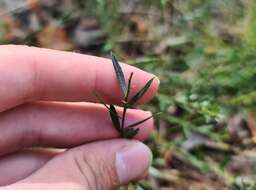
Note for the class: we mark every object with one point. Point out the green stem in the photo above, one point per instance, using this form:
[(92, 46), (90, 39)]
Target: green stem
[(123, 119), (128, 88)]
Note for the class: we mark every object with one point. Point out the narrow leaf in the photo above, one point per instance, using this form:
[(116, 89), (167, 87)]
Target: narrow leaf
[(119, 74), (144, 120), (139, 187), (139, 94), (129, 87), (101, 100), (115, 118), (129, 133)]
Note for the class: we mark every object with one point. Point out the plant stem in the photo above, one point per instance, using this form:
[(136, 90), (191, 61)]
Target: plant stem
[(128, 88), (123, 118), (125, 102)]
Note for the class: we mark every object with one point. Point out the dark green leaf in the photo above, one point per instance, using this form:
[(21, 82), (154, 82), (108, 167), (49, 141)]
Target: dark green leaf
[(139, 94), (144, 185), (138, 187), (129, 133), (119, 74), (115, 118), (129, 87), (142, 121)]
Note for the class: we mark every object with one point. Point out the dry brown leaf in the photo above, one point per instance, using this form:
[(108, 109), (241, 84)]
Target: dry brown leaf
[(200, 186), (7, 27), (252, 125), (34, 5), (244, 163), (54, 37), (139, 24), (168, 155)]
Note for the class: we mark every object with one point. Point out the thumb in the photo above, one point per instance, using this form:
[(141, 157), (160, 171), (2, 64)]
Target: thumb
[(103, 165)]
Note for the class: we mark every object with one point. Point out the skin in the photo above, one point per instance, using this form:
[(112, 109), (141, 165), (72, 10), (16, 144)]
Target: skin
[(40, 102)]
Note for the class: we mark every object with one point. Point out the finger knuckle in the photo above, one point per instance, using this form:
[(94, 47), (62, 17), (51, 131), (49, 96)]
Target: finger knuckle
[(96, 173)]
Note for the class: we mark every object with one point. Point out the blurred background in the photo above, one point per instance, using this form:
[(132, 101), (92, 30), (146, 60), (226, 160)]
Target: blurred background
[(203, 51)]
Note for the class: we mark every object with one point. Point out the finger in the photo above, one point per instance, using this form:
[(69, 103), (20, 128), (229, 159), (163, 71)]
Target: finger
[(102, 165), (29, 73), (62, 125), (17, 166)]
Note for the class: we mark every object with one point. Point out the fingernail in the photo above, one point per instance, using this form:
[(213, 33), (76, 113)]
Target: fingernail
[(132, 161)]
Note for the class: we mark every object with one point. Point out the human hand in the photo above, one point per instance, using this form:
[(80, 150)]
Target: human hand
[(36, 86)]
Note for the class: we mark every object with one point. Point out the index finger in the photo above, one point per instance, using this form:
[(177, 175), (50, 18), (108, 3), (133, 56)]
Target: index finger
[(29, 73)]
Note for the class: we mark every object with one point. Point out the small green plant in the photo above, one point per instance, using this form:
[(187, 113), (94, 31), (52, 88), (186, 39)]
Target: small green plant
[(127, 103)]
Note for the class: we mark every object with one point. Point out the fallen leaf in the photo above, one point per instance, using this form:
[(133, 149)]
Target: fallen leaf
[(244, 163), (54, 37), (237, 128), (7, 27), (139, 24), (252, 125), (200, 186), (168, 155), (33, 5), (88, 33)]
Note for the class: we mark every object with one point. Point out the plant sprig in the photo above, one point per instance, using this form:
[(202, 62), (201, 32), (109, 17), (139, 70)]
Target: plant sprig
[(119, 121)]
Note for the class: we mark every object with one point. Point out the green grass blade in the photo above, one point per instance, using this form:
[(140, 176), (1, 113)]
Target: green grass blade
[(140, 122), (119, 74), (144, 120), (129, 87), (115, 118), (139, 94)]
